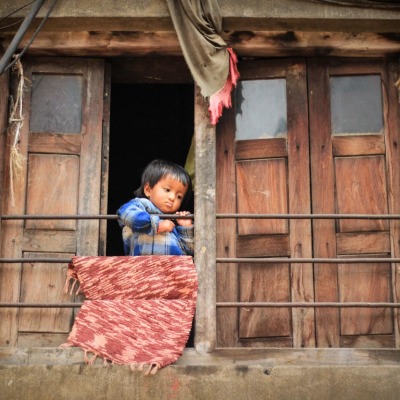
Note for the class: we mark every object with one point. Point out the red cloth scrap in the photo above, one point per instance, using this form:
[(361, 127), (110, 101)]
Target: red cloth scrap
[(222, 98)]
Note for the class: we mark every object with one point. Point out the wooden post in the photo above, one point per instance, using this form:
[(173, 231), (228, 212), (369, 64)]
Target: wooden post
[(4, 93), (11, 232), (393, 162), (205, 226), (105, 159)]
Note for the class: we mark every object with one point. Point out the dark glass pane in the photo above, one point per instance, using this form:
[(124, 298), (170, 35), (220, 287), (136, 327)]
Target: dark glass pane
[(56, 104), (261, 109), (356, 104)]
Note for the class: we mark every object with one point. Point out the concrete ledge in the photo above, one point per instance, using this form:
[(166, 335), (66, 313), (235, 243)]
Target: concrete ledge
[(265, 357), (60, 373), (140, 15), (303, 9), (200, 382)]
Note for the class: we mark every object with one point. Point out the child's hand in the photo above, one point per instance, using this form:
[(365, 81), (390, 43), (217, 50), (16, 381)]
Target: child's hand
[(184, 222), (165, 225)]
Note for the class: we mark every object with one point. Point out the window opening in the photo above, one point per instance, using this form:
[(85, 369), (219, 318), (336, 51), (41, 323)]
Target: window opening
[(147, 121), (56, 103), (261, 109), (357, 104)]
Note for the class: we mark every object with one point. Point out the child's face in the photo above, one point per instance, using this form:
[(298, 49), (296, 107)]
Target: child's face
[(167, 194)]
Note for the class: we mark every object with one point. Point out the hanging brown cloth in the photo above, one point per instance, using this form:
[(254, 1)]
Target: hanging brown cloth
[(198, 24)]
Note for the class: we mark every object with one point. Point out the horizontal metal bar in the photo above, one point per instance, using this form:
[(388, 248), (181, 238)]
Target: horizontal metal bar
[(35, 260), (46, 217), (308, 260), (76, 216), (308, 216), (218, 216), (232, 260), (306, 304), (228, 304), (40, 305)]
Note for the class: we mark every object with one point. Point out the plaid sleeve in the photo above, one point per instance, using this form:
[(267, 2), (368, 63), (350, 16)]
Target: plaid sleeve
[(186, 239), (135, 215)]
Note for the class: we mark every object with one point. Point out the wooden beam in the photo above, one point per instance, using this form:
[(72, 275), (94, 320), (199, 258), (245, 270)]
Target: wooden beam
[(106, 44), (269, 44), (150, 70), (245, 43), (205, 226)]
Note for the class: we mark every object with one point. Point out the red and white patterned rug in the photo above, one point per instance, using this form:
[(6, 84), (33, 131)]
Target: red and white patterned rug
[(138, 309)]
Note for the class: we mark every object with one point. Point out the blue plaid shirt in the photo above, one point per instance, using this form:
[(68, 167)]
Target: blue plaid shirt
[(139, 221)]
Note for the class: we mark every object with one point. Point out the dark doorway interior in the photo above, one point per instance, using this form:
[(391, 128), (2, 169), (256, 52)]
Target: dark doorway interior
[(147, 122)]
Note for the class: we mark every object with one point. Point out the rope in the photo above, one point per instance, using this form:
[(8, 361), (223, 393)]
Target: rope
[(16, 122)]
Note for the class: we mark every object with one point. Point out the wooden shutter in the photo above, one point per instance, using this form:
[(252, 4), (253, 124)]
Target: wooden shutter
[(61, 144), (266, 176), (354, 173)]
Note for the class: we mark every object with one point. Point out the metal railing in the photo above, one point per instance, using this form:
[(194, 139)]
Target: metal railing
[(57, 260), (266, 260), (313, 261)]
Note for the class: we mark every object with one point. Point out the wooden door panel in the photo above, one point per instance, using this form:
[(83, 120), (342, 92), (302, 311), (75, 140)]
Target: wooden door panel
[(358, 145), (54, 143), (347, 172), (44, 283), (263, 246), (363, 243), (51, 240), (365, 283), (41, 339), (256, 285), (52, 189), (352, 174), (261, 148), (361, 189), (368, 341), (262, 189), (60, 143), (266, 176)]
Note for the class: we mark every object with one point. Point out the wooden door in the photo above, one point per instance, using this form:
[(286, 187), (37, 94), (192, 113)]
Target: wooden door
[(264, 167), (60, 142), (355, 170)]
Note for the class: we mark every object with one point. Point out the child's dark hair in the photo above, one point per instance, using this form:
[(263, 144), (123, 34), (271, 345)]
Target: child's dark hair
[(158, 169)]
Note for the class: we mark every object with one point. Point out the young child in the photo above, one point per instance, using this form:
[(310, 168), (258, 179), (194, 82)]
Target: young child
[(164, 187)]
